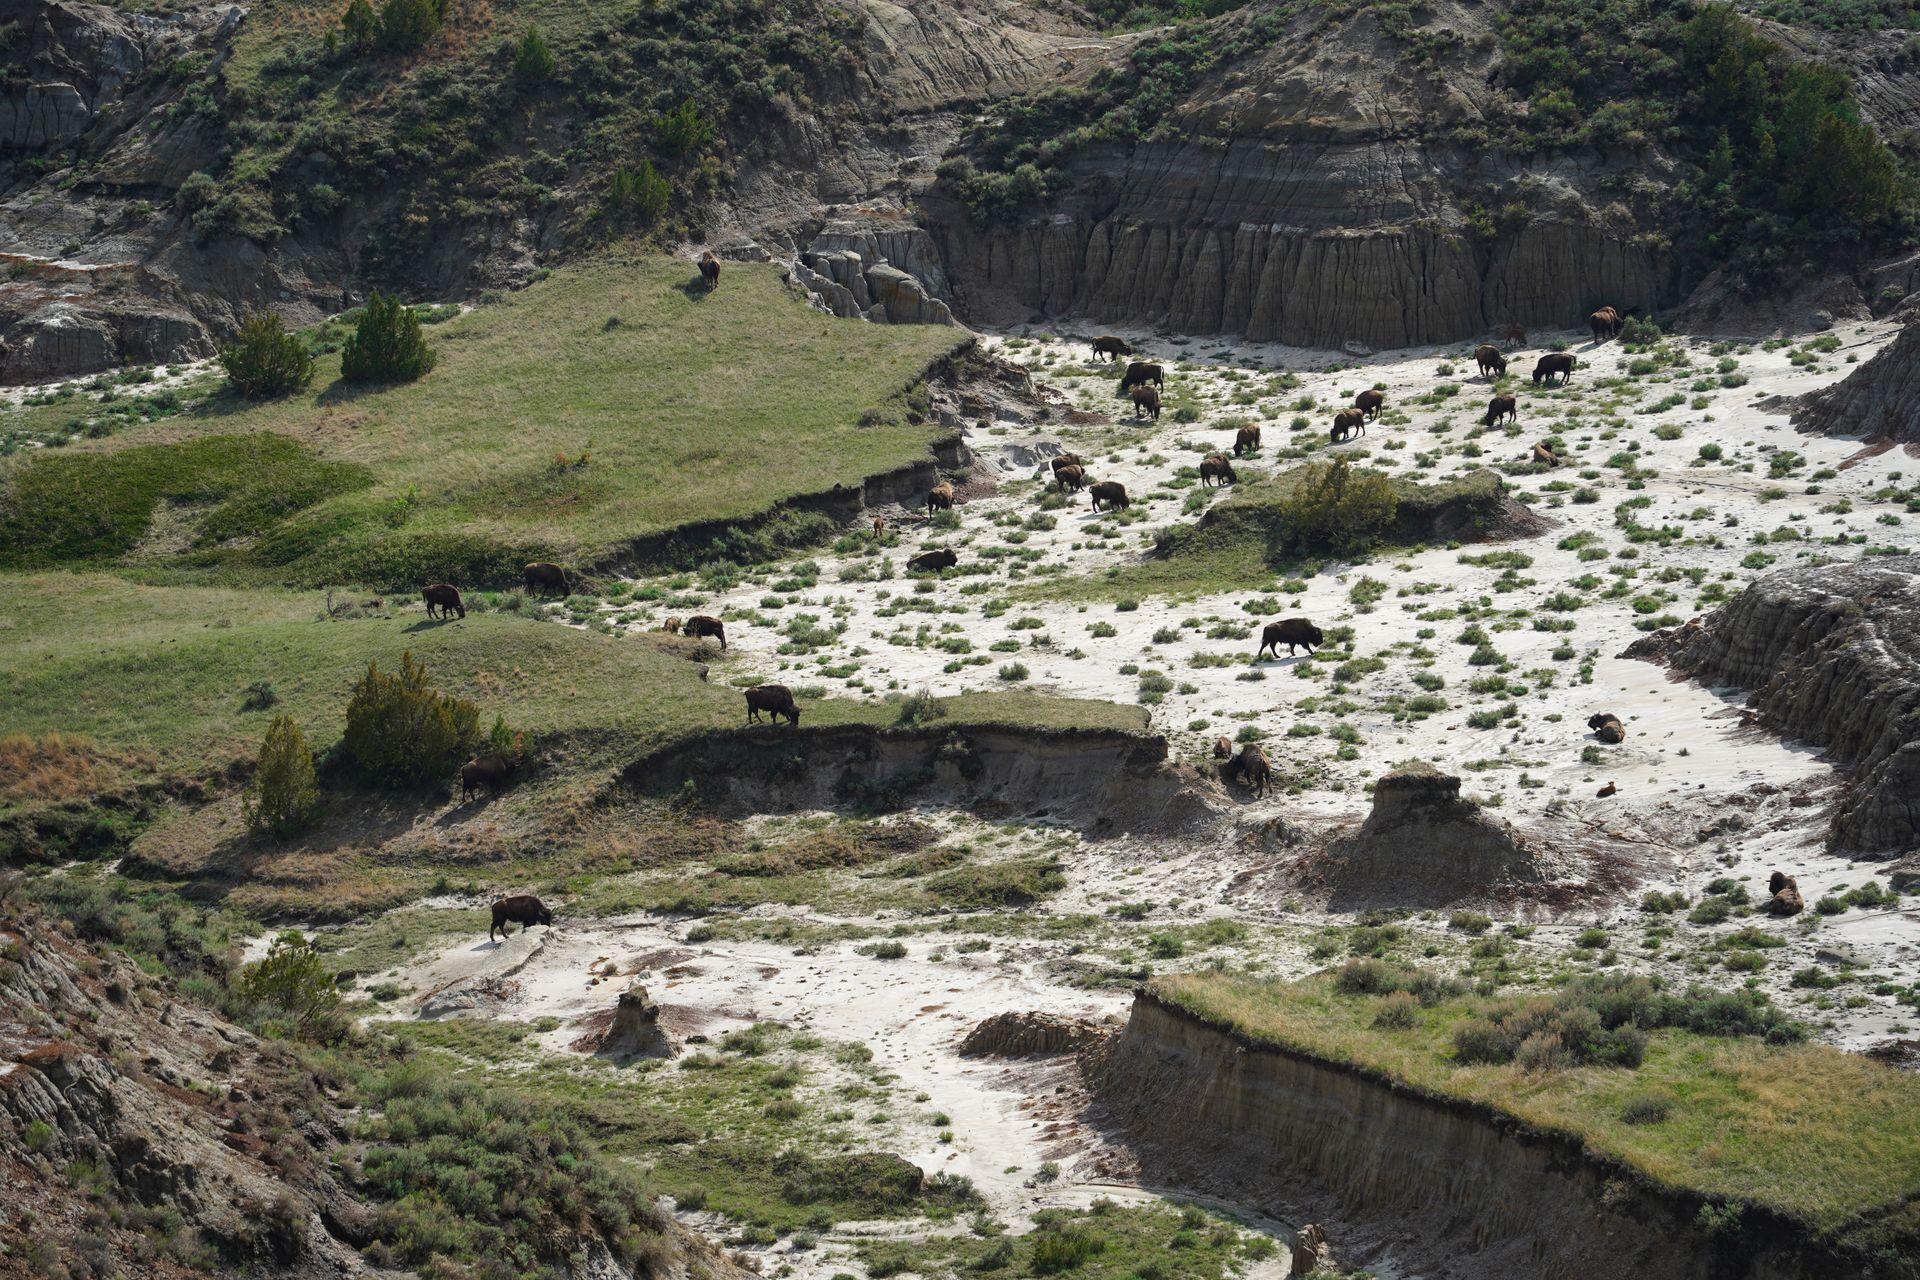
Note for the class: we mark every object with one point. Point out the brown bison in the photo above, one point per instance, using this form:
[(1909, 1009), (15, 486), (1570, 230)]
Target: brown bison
[(879, 526), (1108, 347), (1606, 791), (1348, 422), (1255, 773), (774, 699), (671, 626), (1222, 747), (445, 598), (1542, 454), (1501, 407), (933, 561), (700, 626), (1785, 899), (522, 909), (1067, 460), (1370, 402), (1291, 632), (1514, 335), (1559, 364), (1070, 479), (544, 578), (1246, 440), (1606, 323), (940, 498), (1111, 492), (709, 269), (1607, 727), (1146, 399), (489, 771), (1217, 467), (1491, 362), (1139, 374)]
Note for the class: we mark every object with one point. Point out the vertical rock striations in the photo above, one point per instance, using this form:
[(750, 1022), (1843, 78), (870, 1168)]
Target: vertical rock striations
[(1879, 400)]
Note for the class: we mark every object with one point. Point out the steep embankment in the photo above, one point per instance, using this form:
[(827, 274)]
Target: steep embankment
[(1831, 655), (1880, 400)]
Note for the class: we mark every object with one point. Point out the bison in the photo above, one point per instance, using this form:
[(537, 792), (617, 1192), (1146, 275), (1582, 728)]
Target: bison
[(1514, 335), (1785, 899), (933, 561), (1370, 402), (1291, 632), (1217, 467), (444, 597), (671, 626), (700, 626), (522, 909), (1348, 422), (1544, 455), (1108, 347), (1491, 362), (1606, 791), (1222, 747), (940, 497), (774, 699), (1559, 364), (544, 578), (1146, 399), (1071, 479), (1255, 773), (1606, 323), (1111, 492), (879, 526), (490, 771), (1067, 460), (1139, 374), (1607, 727), (1246, 440), (1501, 407), (709, 270)]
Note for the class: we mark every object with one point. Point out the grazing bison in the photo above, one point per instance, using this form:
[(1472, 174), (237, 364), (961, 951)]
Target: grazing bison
[(1246, 439), (1067, 460), (1607, 727), (1146, 399), (774, 699), (1370, 402), (1070, 479), (709, 269), (700, 626), (1255, 773), (1559, 364), (1217, 467), (1348, 422), (444, 597), (940, 497), (1290, 632), (1490, 360), (1222, 747), (933, 561), (489, 771), (522, 909), (671, 626), (1501, 407), (1108, 347), (1606, 323), (1111, 492), (1139, 374), (544, 578)]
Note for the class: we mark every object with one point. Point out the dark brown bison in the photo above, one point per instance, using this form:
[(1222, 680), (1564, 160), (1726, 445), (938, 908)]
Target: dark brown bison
[(700, 626), (1607, 727), (1370, 402), (1348, 422), (445, 598), (1217, 467), (1500, 407), (1108, 347), (1246, 440), (1559, 364), (1255, 773), (933, 561), (1542, 454), (1785, 899), (1139, 374), (1290, 632), (940, 498), (1491, 362), (774, 699), (709, 269), (1071, 479), (522, 909), (1606, 323), (1067, 460), (1146, 399), (544, 579), (489, 771), (1111, 492), (1222, 747)]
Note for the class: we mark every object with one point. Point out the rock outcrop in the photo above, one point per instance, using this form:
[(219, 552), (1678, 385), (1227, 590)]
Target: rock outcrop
[(1879, 401), (635, 1031), (1831, 655), (1030, 1035), (1425, 845)]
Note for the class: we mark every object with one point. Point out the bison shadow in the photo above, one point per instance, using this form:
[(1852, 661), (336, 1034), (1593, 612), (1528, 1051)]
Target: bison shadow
[(428, 624), (1288, 661), (697, 289)]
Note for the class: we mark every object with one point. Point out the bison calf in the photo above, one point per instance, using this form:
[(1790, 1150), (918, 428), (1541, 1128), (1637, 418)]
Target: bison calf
[(1070, 479), (774, 699), (1290, 632), (445, 598), (1146, 400), (489, 771), (522, 909), (1500, 407), (1256, 774)]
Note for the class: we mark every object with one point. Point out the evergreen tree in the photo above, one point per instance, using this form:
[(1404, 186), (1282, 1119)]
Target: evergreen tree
[(283, 796), (266, 360), (533, 61), (387, 345)]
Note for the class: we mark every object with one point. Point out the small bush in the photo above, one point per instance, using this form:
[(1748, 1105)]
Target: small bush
[(401, 731), (1062, 1249), (387, 345), (643, 190), (1340, 508), (291, 982), (265, 360), (283, 796), (405, 25), (1646, 1108), (533, 60), (1397, 1011)]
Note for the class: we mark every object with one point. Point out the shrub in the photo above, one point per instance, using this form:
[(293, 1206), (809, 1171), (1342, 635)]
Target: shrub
[(291, 982), (533, 60), (1368, 977), (1646, 1108), (1396, 1011), (1339, 507), (1062, 1249), (643, 191), (360, 26), (283, 796), (405, 25), (683, 130), (265, 360), (399, 730), (387, 345)]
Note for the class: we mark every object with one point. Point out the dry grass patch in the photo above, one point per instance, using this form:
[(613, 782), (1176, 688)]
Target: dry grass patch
[(57, 766)]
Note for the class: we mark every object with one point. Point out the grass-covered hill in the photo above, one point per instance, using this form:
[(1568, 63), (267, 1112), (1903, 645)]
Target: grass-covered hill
[(604, 404)]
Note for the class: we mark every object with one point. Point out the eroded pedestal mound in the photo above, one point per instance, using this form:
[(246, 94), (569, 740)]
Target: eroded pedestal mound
[(1426, 845)]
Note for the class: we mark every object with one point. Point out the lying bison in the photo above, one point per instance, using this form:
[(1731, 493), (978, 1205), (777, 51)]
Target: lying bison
[(1784, 899), (1112, 493), (1217, 467), (1544, 455), (1071, 479), (1370, 402), (1557, 365), (1108, 347), (933, 561), (709, 270), (1607, 727), (522, 909), (1246, 440), (1291, 632), (940, 498), (1146, 399), (1492, 363), (1348, 422), (774, 699), (1139, 374), (542, 578), (1500, 407), (445, 598), (700, 626), (489, 771)]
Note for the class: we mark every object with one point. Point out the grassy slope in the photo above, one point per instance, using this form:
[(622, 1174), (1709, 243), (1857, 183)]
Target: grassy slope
[(1806, 1129), (685, 408)]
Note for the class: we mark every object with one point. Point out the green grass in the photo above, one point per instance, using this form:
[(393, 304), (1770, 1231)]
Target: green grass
[(1811, 1131), (603, 405)]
